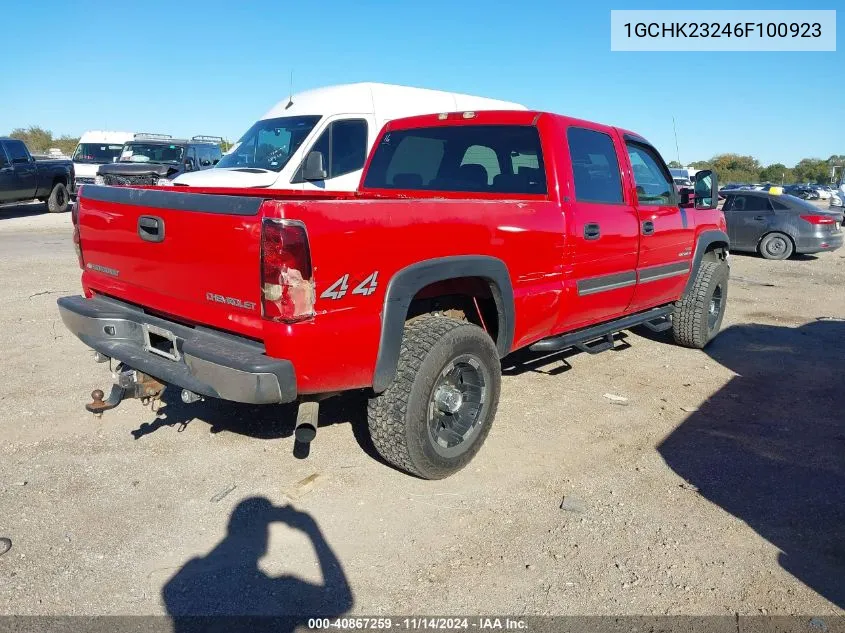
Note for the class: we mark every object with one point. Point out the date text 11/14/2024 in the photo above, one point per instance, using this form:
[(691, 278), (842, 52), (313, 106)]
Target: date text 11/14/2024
[(418, 624)]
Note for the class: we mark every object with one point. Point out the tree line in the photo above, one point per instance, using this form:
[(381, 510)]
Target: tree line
[(738, 168), (39, 140)]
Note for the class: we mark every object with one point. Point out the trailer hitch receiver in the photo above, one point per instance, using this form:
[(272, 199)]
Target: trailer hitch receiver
[(128, 383)]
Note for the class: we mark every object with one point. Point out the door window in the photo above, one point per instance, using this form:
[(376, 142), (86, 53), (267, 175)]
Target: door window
[(750, 203), (2, 157), (654, 184), (17, 152), (344, 148), (594, 166)]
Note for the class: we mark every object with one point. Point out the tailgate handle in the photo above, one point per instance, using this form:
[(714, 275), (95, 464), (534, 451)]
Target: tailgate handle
[(151, 228)]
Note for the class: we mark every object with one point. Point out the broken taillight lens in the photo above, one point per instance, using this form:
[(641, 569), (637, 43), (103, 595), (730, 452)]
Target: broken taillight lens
[(287, 281)]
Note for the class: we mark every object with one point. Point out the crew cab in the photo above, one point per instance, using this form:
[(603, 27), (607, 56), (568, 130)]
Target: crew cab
[(22, 178), (472, 235)]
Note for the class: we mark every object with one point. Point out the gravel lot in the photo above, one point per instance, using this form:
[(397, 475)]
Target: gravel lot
[(717, 487)]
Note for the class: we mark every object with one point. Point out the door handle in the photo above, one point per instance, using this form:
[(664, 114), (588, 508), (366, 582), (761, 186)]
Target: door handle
[(648, 227), (151, 228), (592, 231), (759, 218)]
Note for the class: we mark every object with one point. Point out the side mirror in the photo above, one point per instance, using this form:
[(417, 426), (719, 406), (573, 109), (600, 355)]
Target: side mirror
[(314, 169), (215, 161), (189, 164), (706, 190), (687, 196)]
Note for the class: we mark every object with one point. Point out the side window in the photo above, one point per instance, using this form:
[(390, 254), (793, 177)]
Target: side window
[(344, 148), (349, 147), (779, 206), (594, 166), (206, 154), (729, 204), (751, 203), (485, 157), (3, 161), (17, 152), (654, 186)]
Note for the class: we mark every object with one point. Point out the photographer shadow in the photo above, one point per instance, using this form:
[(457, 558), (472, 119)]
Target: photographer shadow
[(769, 447), (225, 590)]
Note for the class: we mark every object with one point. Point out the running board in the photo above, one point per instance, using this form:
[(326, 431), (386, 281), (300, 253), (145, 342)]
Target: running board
[(581, 339)]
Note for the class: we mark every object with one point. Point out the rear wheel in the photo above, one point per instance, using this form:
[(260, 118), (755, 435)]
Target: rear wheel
[(59, 200), (434, 417), (776, 246), (698, 315)]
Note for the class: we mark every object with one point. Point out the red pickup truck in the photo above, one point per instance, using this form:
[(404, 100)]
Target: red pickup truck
[(471, 235)]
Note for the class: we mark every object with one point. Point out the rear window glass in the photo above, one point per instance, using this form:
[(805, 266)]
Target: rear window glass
[(471, 158)]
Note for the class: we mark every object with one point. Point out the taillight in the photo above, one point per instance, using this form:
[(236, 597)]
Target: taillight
[(819, 219), (74, 218), (287, 281)]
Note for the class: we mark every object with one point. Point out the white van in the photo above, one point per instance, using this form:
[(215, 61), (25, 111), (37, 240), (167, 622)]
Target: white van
[(338, 122), (95, 148)]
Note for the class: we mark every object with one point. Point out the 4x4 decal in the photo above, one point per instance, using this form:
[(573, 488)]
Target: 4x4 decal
[(339, 288)]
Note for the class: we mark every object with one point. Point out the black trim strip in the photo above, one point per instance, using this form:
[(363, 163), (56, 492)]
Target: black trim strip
[(606, 282), (664, 271), (174, 200)]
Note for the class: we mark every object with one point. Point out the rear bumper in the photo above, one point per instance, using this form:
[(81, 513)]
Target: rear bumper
[(818, 244), (210, 363)]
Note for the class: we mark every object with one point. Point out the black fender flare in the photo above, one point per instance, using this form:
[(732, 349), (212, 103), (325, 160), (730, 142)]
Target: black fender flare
[(408, 281), (705, 240)]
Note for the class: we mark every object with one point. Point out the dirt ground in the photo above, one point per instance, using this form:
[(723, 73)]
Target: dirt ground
[(717, 487)]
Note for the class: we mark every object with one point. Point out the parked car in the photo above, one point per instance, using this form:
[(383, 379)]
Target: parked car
[(156, 159), (23, 178), (513, 229), (341, 122), (801, 191), (682, 183), (95, 148), (778, 226), (837, 200), (823, 191)]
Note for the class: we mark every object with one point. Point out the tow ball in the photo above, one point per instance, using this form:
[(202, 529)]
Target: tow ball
[(129, 383)]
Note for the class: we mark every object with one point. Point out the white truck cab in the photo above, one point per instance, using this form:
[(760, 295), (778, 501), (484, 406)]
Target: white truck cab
[(319, 139), (95, 148)]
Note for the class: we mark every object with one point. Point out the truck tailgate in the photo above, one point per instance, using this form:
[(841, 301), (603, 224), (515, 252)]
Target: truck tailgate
[(195, 257)]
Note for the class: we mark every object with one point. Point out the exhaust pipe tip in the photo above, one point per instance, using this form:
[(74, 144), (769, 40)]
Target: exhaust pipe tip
[(306, 421)]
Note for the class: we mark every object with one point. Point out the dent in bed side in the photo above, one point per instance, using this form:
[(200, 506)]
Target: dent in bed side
[(406, 283)]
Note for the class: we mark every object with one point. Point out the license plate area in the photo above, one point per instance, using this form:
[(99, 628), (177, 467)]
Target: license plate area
[(160, 342)]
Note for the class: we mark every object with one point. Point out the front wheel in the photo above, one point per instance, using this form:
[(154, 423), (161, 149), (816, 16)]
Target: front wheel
[(698, 315), (434, 417), (59, 200)]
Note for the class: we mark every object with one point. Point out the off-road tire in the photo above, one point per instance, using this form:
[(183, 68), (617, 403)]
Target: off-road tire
[(398, 417), (691, 325), (59, 200), (767, 250)]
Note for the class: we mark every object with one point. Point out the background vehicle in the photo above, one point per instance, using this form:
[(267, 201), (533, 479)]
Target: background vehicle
[(801, 191), (822, 190), (561, 232), (777, 226), (336, 125), (837, 200), (95, 148), (156, 159), (24, 178)]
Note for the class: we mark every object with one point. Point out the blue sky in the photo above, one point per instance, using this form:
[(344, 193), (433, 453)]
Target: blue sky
[(213, 67)]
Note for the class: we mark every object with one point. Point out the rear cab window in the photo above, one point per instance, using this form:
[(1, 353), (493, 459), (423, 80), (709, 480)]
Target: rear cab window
[(504, 159)]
